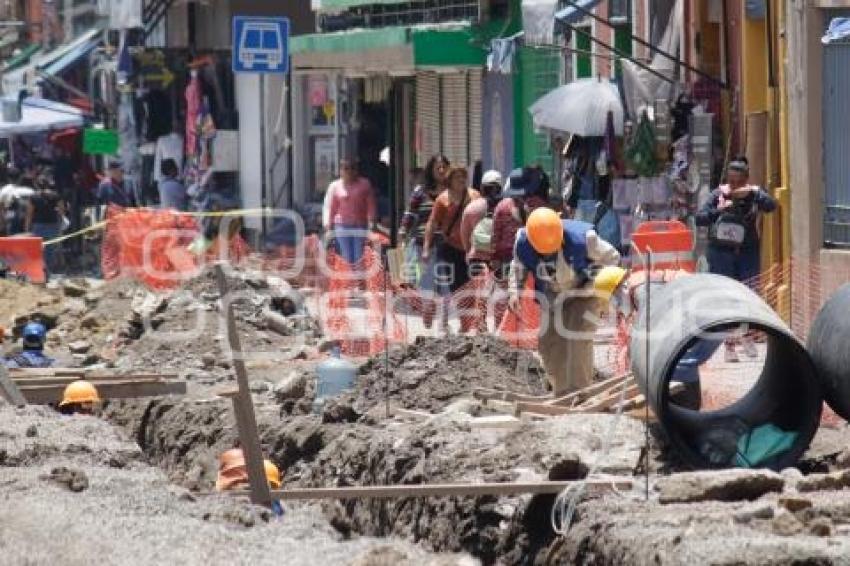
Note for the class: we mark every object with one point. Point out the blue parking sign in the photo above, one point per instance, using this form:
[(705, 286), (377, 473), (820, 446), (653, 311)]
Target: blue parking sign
[(260, 45)]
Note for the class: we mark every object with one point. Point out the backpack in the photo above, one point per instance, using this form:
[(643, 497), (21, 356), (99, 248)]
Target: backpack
[(482, 235), (729, 231)]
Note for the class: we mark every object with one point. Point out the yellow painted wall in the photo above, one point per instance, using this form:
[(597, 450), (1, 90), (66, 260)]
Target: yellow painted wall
[(758, 96)]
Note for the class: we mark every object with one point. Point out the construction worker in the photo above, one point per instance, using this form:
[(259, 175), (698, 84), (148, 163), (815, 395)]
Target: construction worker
[(32, 356), (562, 256), (79, 398), (232, 471)]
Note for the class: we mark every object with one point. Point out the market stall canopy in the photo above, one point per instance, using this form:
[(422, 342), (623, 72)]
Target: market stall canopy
[(52, 62), (40, 115), (580, 107), (22, 57), (393, 49)]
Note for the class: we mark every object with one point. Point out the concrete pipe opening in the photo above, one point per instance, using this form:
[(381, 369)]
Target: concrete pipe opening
[(772, 414)]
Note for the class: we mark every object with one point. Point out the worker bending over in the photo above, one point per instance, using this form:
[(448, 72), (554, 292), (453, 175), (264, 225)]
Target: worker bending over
[(32, 356), (563, 257)]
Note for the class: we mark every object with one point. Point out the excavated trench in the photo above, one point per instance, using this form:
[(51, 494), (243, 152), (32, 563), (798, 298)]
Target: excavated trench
[(352, 443)]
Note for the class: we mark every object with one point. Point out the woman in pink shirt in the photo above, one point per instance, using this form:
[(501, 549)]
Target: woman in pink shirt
[(353, 211)]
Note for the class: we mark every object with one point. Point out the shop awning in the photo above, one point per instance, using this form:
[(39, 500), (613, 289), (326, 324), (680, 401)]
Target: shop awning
[(572, 15), (61, 58), (40, 115), (388, 49), (339, 5), (22, 57), (52, 62)]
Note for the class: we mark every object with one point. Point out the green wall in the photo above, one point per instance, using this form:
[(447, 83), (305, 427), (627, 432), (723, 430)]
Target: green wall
[(538, 72)]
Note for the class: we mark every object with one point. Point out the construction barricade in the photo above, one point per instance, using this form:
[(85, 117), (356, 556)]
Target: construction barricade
[(24, 256), (153, 246)]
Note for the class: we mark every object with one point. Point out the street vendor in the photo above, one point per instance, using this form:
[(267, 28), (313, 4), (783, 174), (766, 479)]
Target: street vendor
[(566, 258)]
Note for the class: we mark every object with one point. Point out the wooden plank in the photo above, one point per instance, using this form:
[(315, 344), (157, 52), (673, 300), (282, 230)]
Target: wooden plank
[(29, 381), (43, 394), (9, 389), (243, 405), (485, 394), (444, 490), (49, 372), (603, 403), (541, 409), (582, 394)]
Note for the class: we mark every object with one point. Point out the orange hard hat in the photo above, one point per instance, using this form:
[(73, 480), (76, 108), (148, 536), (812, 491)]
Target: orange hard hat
[(79, 391), (272, 474), (231, 478), (230, 459), (545, 230)]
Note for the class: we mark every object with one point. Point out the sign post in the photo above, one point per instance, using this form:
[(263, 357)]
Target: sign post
[(261, 46)]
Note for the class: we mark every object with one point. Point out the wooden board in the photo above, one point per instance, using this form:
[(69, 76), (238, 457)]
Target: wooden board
[(444, 490), (583, 394), (9, 389), (542, 409), (484, 394), (30, 381), (43, 394)]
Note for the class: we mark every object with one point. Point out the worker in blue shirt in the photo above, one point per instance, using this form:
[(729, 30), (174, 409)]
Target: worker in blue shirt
[(32, 356)]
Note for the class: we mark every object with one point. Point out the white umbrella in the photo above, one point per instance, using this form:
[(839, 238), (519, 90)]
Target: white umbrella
[(580, 107)]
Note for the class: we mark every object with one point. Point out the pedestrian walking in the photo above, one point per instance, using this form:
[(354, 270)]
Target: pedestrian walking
[(421, 271), (442, 234), (527, 189), (352, 211), (731, 215), (112, 189), (45, 212), (172, 192), (14, 199)]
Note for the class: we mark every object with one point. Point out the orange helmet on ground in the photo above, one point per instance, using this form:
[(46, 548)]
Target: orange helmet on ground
[(80, 391), (545, 231)]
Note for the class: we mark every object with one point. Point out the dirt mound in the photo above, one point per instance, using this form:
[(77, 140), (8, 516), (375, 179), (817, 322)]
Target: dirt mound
[(48, 517), (433, 372)]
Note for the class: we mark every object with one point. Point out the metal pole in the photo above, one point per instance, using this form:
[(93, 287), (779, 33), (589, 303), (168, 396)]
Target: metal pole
[(648, 268), (263, 147)]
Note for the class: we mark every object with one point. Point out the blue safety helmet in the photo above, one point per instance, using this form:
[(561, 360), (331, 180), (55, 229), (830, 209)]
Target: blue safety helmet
[(34, 335)]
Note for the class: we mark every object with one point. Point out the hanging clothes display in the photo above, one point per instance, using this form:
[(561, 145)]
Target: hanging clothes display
[(641, 152), (193, 110)]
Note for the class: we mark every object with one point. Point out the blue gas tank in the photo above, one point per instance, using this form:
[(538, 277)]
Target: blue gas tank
[(335, 375)]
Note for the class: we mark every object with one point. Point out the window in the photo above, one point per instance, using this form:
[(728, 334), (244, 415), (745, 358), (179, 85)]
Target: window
[(583, 47), (619, 11)]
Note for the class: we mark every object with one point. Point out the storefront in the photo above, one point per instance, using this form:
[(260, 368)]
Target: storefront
[(386, 96)]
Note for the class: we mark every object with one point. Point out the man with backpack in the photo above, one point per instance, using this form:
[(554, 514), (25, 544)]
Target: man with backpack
[(476, 224), (14, 200)]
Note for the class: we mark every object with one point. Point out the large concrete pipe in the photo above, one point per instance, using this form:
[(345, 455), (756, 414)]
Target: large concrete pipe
[(785, 400), (829, 346)]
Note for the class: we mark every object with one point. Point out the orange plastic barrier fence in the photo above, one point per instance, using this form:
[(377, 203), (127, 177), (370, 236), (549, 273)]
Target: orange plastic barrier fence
[(671, 242), (152, 246), (24, 255)]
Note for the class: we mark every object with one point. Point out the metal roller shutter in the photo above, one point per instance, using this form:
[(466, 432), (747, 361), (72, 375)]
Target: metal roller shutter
[(475, 93), (427, 117), (455, 118)]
